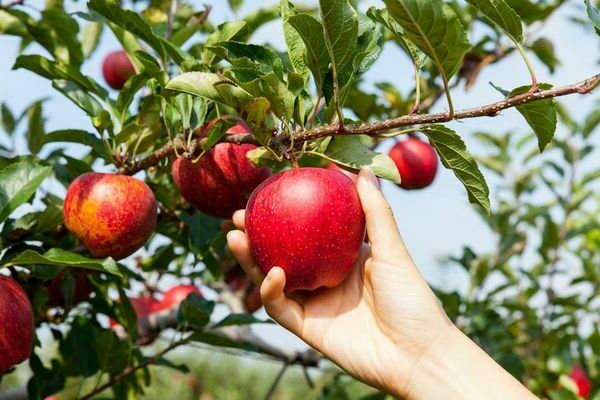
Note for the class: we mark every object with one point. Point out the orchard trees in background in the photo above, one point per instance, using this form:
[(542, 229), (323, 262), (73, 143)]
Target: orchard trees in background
[(205, 113)]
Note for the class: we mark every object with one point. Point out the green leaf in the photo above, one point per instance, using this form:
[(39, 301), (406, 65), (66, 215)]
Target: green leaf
[(368, 47), (56, 70), (544, 50), (80, 97), (260, 120), (63, 258), (593, 14), (240, 319), (455, 156), (81, 137), (7, 119), (91, 37), (113, 353), (18, 182), (260, 17), (316, 57), (235, 4), (265, 60), (128, 91), (350, 152), (35, 130), (340, 27), (216, 340), (503, 16), (435, 29), (382, 16), (130, 21), (196, 311), (203, 84), (591, 123), (540, 115), (295, 44), (273, 89), (227, 31), (66, 30), (78, 355), (11, 25)]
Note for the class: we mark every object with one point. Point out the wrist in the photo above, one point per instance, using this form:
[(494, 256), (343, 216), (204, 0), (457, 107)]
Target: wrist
[(454, 367)]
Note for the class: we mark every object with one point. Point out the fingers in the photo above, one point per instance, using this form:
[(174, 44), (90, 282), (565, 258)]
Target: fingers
[(239, 219), (382, 230), (240, 247), (285, 311)]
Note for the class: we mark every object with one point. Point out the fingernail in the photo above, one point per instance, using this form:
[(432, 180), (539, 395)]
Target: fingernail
[(370, 177)]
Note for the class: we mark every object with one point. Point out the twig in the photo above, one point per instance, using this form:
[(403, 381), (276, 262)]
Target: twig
[(376, 128), (171, 18), (12, 4), (275, 383), (128, 371)]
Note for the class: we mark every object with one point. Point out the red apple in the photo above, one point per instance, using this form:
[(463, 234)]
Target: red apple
[(335, 167), (416, 161), (176, 295), (113, 215), (308, 221), (584, 385), (144, 306), (222, 180), (83, 289), (117, 69), (16, 324)]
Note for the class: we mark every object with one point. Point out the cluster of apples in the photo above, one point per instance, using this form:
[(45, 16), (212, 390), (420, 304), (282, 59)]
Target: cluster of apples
[(309, 221)]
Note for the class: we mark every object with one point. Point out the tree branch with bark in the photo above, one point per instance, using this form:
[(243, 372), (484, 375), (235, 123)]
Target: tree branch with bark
[(377, 128)]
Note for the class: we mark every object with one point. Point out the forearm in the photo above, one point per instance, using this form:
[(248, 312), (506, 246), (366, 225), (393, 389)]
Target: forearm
[(454, 367)]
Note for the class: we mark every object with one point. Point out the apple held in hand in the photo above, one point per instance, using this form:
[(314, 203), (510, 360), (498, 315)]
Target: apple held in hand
[(416, 161), (308, 221), (117, 69), (222, 180), (16, 324), (113, 215)]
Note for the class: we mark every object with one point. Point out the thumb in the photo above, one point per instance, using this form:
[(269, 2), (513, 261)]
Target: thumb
[(386, 242)]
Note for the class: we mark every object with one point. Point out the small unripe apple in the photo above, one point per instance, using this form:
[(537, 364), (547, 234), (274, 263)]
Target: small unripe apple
[(83, 289), (579, 376), (176, 295), (309, 222), (416, 161), (117, 69), (113, 215), (222, 180), (16, 324)]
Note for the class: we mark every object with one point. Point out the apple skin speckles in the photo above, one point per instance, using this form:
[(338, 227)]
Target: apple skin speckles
[(221, 182), (113, 215), (309, 222), (17, 330)]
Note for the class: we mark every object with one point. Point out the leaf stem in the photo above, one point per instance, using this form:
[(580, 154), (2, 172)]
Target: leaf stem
[(534, 81)]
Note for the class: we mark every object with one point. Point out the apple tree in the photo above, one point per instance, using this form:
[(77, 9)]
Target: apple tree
[(193, 115)]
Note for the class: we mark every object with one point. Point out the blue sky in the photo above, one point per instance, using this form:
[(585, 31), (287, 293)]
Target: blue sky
[(434, 222)]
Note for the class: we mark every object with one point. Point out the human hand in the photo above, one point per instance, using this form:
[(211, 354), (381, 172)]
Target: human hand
[(381, 322)]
